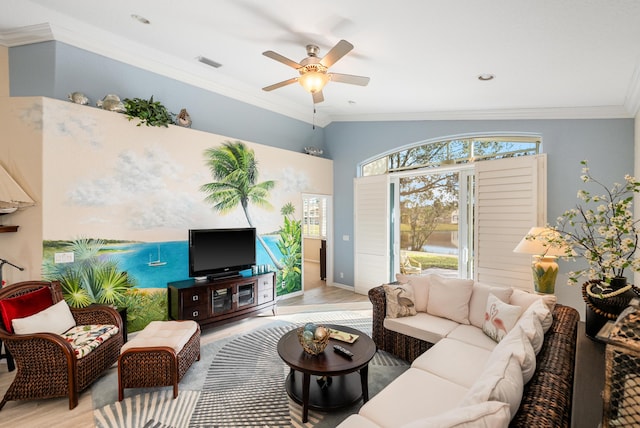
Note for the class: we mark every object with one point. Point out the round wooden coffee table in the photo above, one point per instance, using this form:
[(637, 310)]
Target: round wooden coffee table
[(343, 385)]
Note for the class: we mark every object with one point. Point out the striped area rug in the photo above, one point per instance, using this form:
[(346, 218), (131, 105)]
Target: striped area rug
[(244, 386)]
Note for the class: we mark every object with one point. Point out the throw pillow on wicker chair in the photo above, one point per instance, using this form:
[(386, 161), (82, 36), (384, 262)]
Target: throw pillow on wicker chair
[(55, 319), (24, 306)]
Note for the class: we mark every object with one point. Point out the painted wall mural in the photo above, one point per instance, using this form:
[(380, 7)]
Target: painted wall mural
[(118, 201)]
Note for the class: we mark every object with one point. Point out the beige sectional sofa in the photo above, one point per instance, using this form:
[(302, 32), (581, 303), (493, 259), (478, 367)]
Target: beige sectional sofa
[(460, 376)]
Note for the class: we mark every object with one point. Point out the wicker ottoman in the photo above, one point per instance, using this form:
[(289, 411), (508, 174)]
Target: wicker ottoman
[(159, 355)]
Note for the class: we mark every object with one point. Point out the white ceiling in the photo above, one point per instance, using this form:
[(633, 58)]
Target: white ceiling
[(551, 58)]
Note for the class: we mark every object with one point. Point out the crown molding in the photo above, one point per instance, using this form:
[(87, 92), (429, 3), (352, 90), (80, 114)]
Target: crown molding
[(632, 101), (599, 112), (26, 35)]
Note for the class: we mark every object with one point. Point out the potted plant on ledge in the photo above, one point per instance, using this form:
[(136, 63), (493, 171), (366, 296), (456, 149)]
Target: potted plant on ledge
[(602, 230)]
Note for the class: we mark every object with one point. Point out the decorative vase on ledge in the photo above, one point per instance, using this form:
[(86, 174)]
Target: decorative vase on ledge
[(604, 302)]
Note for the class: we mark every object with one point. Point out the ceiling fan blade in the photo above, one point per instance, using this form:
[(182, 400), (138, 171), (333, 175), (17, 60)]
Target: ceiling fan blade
[(280, 84), (282, 59), (317, 97), (349, 78), (338, 51)]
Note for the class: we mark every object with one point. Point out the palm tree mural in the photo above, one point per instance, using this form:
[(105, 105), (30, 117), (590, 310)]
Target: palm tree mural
[(235, 169), (90, 278)]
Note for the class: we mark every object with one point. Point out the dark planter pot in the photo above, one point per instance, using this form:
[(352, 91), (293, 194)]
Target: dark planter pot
[(599, 311), (593, 323)]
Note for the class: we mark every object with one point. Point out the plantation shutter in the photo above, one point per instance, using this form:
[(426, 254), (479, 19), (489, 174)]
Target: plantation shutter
[(511, 197), (371, 232)]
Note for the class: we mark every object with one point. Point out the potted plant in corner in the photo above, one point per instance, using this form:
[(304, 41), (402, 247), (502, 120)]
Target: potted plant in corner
[(602, 230)]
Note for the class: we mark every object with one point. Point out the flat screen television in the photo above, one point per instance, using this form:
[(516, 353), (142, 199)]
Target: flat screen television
[(215, 253)]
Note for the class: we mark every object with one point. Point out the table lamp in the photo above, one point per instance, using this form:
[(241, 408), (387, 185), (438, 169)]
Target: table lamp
[(543, 243)]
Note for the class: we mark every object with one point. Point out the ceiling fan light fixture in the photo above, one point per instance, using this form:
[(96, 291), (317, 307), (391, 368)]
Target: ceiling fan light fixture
[(313, 81)]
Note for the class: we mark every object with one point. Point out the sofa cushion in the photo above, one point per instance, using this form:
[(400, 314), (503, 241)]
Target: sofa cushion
[(532, 328), (543, 313), (490, 414), (501, 381), (456, 361), (524, 299), (420, 284), (85, 338), (421, 326), (55, 319), (473, 336), (449, 298), (413, 395), (24, 306), (400, 301), (499, 318), (517, 344), (357, 421), (478, 301)]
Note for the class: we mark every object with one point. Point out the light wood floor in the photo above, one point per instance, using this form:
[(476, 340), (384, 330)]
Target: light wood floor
[(55, 413)]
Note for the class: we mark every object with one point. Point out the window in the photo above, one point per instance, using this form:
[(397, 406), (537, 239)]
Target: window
[(451, 152), (314, 223), (437, 205)]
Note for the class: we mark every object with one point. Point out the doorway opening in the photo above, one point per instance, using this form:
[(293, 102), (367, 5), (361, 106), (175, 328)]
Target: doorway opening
[(315, 230)]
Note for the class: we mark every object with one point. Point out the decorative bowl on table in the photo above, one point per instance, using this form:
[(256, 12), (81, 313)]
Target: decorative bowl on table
[(313, 338)]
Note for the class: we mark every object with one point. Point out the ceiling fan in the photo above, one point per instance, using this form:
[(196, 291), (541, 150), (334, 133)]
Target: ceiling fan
[(313, 71)]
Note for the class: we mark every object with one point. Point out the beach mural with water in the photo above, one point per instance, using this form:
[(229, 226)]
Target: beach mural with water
[(118, 211), (153, 264)]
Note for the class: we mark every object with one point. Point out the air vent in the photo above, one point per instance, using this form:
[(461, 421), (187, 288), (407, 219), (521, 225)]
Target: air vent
[(209, 62)]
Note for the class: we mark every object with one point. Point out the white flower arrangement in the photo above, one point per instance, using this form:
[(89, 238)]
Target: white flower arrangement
[(602, 230)]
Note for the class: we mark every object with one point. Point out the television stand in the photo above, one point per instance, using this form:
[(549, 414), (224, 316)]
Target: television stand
[(223, 276), (221, 299)]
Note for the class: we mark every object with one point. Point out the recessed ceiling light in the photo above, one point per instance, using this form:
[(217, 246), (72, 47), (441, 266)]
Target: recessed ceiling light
[(140, 19), (484, 77)]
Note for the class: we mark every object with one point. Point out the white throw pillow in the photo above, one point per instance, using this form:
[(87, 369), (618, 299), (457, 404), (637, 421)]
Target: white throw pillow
[(489, 414), (501, 381), (478, 301), (543, 313), (449, 298), (532, 328), (516, 343), (55, 319), (420, 284), (525, 299), (499, 318)]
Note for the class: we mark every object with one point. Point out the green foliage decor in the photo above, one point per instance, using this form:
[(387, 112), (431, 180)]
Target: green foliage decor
[(290, 245), (90, 278), (150, 112)]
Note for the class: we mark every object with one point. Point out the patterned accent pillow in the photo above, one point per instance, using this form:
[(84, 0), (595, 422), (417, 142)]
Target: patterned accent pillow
[(400, 300), (86, 338), (499, 318)]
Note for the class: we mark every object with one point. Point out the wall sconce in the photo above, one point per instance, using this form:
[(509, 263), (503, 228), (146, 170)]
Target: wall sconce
[(12, 197), (545, 245)]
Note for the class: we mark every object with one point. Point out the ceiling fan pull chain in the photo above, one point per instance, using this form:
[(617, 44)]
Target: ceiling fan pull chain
[(314, 118)]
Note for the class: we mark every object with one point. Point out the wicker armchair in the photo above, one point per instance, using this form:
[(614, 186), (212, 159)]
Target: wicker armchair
[(46, 364)]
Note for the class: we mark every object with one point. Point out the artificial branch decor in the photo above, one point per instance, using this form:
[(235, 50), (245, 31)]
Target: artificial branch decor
[(602, 230), (151, 113)]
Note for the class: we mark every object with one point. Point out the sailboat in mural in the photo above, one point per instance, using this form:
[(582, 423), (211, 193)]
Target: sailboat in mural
[(157, 262)]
